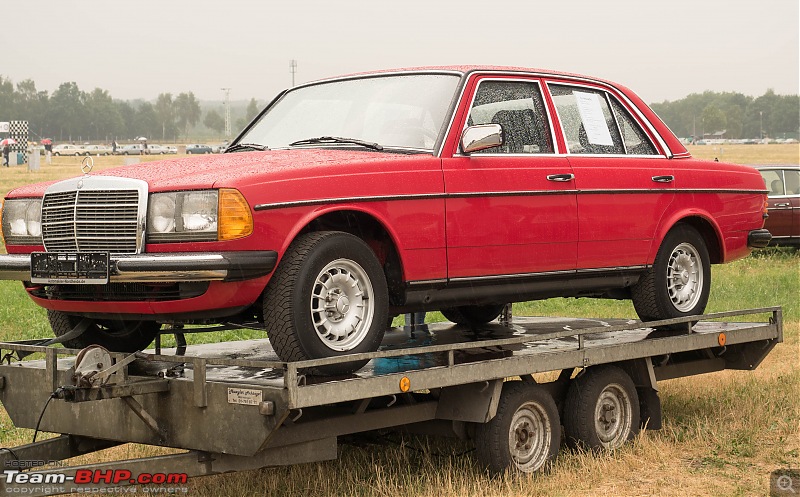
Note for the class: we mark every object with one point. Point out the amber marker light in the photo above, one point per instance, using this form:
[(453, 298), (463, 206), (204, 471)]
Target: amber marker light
[(235, 220), (405, 384), (722, 339)]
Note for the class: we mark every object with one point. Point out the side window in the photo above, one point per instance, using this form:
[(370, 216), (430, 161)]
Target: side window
[(773, 179), (634, 137), (517, 107), (588, 124)]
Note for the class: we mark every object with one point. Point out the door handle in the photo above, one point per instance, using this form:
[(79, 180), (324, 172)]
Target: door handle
[(663, 179), (560, 177), (782, 205)]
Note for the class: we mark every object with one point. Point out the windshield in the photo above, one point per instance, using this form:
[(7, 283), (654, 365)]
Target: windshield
[(405, 111)]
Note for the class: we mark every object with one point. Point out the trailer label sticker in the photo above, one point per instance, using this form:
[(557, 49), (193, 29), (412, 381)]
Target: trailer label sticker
[(245, 396)]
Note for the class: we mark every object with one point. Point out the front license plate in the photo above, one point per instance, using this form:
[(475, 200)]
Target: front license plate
[(86, 268)]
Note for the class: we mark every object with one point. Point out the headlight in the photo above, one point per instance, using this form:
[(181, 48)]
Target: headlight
[(22, 221), (206, 215)]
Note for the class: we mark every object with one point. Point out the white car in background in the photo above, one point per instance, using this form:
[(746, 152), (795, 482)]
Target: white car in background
[(134, 149), (97, 149), (68, 149), (157, 149)]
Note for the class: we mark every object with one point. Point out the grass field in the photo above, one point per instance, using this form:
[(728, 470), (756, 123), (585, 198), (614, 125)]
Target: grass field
[(723, 432)]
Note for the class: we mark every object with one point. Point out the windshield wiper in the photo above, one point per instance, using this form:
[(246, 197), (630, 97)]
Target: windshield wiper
[(246, 146), (337, 139)]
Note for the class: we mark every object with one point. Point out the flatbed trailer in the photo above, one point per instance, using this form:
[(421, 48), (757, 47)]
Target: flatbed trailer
[(234, 406)]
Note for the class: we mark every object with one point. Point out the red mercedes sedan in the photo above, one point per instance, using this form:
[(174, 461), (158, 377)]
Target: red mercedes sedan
[(352, 199)]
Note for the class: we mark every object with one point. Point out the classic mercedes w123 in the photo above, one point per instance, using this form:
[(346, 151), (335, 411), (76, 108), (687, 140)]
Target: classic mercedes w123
[(349, 200)]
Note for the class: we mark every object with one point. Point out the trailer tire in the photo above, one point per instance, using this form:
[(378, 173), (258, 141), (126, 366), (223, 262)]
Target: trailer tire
[(327, 282), (679, 281), (116, 336), (473, 314), (528, 417), (601, 410)]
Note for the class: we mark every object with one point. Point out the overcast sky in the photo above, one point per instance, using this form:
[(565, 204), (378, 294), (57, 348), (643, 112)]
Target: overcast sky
[(662, 50)]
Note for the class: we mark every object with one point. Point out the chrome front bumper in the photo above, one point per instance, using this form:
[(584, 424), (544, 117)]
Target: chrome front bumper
[(176, 267)]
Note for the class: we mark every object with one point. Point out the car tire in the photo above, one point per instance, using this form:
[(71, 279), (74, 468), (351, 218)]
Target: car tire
[(524, 435), (328, 297), (116, 336), (473, 315), (601, 409), (77, 154), (678, 282)]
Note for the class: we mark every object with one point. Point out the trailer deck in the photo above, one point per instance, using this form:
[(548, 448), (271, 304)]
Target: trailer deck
[(235, 405)]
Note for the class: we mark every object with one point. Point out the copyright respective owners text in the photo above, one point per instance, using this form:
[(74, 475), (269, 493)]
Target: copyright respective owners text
[(783, 482), (52, 481)]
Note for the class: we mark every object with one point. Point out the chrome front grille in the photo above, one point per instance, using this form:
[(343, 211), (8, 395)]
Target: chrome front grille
[(93, 220)]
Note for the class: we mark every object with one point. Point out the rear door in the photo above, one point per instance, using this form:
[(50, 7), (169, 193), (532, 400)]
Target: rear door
[(510, 210), (624, 184)]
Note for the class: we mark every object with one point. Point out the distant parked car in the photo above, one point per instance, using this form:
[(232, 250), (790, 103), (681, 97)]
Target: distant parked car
[(67, 149), (135, 149), (171, 149), (157, 149), (218, 149), (783, 184), (198, 149), (97, 150)]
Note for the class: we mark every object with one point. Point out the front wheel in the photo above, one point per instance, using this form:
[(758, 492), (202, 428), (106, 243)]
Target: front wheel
[(678, 282), (116, 336), (328, 297)]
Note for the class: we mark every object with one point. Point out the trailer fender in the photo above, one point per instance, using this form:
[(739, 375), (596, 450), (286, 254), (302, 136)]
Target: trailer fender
[(472, 403)]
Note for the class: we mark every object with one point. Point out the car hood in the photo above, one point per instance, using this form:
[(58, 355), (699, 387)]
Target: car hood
[(244, 168)]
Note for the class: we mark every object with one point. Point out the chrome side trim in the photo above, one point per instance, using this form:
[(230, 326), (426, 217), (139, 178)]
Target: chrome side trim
[(465, 279), (519, 193)]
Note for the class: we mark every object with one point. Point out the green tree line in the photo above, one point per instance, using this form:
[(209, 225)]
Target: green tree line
[(740, 116), (70, 113)]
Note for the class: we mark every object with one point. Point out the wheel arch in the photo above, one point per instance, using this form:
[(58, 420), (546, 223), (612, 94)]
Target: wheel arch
[(704, 224), (369, 227)]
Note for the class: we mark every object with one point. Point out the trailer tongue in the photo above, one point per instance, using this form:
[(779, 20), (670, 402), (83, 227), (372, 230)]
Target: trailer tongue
[(234, 406)]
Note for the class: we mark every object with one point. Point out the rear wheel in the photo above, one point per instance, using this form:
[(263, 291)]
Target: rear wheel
[(473, 314), (678, 282), (117, 336), (601, 410), (524, 435), (328, 297)]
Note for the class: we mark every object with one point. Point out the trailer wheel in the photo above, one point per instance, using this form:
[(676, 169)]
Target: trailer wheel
[(473, 314), (116, 336), (327, 297), (601, 410), (678, 282), (524, 435)]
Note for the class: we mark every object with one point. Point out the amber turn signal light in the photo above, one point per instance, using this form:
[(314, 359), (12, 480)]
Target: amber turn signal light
[(235, 219), (722, 339), (405, 384)]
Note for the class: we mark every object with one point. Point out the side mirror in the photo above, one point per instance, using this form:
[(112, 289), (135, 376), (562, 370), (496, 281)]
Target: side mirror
[(481, 137)]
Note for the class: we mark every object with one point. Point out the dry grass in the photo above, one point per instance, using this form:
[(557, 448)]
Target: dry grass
[(781, 153)]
